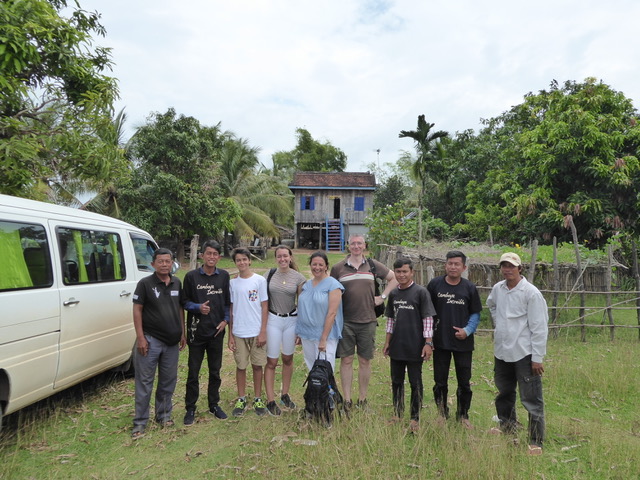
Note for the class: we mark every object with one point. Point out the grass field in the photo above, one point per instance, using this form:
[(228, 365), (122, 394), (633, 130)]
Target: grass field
[(593, 428)]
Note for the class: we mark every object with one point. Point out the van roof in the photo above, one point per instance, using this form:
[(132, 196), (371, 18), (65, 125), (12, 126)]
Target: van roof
[(41, 208)]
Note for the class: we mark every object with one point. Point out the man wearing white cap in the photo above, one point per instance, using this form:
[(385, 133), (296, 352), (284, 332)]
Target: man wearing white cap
[(520, 317)]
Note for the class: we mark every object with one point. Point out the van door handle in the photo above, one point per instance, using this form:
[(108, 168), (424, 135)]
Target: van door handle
[(71, 302), (125, 294)]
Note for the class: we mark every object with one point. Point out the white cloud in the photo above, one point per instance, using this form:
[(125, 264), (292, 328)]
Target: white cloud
[(357, 72)]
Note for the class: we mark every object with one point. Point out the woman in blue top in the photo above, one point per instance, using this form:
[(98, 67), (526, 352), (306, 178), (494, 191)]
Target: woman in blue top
[(320, 320)]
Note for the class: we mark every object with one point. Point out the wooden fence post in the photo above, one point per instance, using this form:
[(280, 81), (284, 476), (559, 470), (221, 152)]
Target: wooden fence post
[(532, 265), (193, 253), (608, 289), (579, 281), (556, 286), (636, 276)]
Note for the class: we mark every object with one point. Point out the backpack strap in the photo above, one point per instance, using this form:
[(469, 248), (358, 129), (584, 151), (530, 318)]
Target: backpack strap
[(271, 273), (372, 268)]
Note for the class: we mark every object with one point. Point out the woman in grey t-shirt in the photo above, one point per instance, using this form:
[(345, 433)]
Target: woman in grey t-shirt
[(284, 284)]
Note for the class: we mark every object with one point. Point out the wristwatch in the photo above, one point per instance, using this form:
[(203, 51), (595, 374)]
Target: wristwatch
[(383, 296), (429, 343)]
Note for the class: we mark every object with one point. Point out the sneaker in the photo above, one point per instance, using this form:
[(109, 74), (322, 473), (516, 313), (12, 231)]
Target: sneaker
[(285, 401), (239, 407), (259, 407), (189, 417), (218, 413), (273, 408)]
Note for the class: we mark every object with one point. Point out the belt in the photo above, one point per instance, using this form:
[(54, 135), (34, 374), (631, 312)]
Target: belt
[(294, 313)]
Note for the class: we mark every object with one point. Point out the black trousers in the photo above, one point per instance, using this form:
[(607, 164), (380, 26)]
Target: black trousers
[(508, 376), (414, 370), (213, 348), (441, 365)]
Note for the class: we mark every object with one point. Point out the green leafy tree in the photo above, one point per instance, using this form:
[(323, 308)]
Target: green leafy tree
[(398, 224), (175, 190), (572, 152), (56, 101), (309, 155), (390, 191)]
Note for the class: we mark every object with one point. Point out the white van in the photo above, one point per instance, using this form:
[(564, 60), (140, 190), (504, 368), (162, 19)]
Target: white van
[(67, 278)]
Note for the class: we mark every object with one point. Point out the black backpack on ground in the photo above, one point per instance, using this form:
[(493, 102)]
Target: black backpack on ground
[(321, 396)]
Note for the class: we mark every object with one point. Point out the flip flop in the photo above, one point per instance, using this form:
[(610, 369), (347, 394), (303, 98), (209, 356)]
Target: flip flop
[(136, 434)]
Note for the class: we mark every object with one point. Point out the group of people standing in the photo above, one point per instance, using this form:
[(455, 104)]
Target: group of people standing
[(334, 312)]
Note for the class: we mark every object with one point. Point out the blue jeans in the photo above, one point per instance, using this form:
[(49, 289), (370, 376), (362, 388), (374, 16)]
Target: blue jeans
[(507, 376), (164, 358)]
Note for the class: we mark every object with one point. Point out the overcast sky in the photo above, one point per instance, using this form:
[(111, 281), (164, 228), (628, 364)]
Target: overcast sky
[(355, 73)]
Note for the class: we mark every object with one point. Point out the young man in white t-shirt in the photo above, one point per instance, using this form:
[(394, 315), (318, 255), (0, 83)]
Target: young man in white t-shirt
[(248, 325)]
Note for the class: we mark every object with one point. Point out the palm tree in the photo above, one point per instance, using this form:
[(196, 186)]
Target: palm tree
[(101, 194), (260, 197), (105, 194), (429, 150)]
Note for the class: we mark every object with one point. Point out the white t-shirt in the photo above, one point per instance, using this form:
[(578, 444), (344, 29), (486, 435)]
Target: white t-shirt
[(247, 295)]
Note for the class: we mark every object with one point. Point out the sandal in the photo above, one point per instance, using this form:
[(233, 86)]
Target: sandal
[(414, 426), (167, 423), (136, 434), (534, 450)]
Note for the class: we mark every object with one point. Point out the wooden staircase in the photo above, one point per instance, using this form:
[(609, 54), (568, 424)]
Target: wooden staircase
[(334, 235)]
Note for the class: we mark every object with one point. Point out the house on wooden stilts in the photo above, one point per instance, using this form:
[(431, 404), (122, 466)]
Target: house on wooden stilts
[(330, 206)]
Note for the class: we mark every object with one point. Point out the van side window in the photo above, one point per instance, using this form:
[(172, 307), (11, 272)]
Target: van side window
[(90, 256), (143, 248), (25, 261)]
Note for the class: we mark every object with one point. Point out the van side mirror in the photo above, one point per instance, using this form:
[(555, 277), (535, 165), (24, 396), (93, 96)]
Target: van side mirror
[(175, 267)]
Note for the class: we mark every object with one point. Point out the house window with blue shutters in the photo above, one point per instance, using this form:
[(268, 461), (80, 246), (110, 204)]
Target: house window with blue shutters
[(358, 204), (307, 203)]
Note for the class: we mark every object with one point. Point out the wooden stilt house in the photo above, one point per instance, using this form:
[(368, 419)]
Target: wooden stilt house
[(330, 206)]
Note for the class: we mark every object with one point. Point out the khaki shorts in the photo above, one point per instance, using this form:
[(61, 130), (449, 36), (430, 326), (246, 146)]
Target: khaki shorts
[(360, 335), (247, 351)]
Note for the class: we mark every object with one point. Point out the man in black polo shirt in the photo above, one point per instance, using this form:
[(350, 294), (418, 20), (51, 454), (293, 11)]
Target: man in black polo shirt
[(158, 319), (207, 300)]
